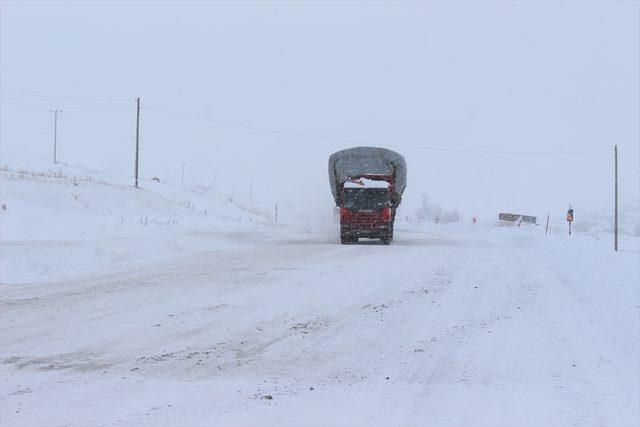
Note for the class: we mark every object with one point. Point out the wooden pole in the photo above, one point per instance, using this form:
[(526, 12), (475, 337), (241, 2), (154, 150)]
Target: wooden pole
[(137, 136), (55, 134), (615, 221)]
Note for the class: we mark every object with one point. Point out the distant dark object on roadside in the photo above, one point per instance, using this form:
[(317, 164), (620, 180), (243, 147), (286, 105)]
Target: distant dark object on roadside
[(431, 212), (517, 218)]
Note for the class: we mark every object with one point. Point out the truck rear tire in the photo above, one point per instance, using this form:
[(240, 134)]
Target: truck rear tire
[(346, 239), (387, 238)]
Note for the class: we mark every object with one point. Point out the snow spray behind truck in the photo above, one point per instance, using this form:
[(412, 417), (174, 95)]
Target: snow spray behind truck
[(367, 185)]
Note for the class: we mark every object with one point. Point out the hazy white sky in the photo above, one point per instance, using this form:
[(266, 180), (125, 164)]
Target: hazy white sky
[(496, 76)]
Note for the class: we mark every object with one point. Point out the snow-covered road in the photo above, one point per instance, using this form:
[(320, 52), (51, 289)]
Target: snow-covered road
[(454, 327)]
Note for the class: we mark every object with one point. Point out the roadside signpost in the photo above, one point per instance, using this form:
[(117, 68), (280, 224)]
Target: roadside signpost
[(570, 218)]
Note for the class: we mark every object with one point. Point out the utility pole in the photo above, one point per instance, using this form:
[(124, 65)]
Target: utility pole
[(55, 133), (213, 187), (276, 217), (137, 136), (182, 179), (615, 221)]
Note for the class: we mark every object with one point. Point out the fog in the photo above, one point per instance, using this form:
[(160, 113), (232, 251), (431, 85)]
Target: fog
[(498, 106)]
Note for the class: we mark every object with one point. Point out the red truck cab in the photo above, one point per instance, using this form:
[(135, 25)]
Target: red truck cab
[(367, 208)]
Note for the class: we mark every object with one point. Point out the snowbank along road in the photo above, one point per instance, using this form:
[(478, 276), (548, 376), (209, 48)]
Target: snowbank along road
[(467, 326)]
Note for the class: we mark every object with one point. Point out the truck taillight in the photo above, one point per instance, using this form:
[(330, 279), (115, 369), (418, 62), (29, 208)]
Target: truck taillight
[(344, 213), (385, 214)]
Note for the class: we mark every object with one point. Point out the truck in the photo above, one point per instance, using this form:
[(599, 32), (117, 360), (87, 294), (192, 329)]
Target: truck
[(367, 185)]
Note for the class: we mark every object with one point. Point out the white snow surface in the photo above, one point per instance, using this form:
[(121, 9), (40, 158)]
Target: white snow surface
[(171, 305), (62, 221), (366, 183)]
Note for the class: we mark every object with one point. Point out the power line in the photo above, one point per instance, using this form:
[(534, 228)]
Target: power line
[(247, 126), (361, 142), (461, 150), (284, 132), (33, 95), (22, 104), (90, 107)]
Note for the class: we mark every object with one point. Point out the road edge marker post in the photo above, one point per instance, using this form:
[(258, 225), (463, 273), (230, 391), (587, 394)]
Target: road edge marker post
[(546, 229)]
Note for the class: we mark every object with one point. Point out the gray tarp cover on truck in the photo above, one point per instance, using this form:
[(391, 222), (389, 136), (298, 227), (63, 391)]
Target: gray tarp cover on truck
[(366, 160)]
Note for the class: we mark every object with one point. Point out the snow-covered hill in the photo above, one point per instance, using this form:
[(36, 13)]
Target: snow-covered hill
[(64, 220)]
